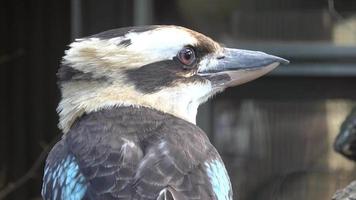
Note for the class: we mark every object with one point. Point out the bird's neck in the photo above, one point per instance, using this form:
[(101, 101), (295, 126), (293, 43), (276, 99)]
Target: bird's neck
[(79, 98)]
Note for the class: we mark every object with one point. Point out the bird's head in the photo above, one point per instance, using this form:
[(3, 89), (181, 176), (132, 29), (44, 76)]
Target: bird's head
[(168, 68)]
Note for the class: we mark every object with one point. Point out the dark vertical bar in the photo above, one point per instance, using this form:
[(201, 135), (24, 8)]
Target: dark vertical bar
[(17, 149), (76, 19), (4, 100), (34, 35), (143, 12), (98, 16), (204, 118), (50, 25)]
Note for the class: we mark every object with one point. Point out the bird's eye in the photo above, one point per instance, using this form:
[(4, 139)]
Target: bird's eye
[(187, 56)]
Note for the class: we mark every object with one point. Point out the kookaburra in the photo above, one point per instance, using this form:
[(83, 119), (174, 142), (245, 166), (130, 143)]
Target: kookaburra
[(128, 107), (345, 142)]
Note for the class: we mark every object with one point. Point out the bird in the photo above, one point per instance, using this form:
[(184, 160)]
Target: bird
[(129, 99), (345, 144)]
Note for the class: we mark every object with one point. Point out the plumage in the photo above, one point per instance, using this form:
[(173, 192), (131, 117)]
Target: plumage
[(345, 144), (128, 108), (135, 153)]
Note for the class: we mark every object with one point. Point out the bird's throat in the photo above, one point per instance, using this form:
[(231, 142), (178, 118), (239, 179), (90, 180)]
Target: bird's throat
[(80, 98)]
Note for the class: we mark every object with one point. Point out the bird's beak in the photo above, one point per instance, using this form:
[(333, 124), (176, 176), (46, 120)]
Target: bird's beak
[(236, 66)]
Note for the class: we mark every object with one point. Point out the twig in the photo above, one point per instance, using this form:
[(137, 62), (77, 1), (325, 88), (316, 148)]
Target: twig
[(11, 187)]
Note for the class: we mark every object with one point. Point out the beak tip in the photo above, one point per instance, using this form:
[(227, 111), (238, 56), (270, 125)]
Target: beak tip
[(281, 61), (284, 61)]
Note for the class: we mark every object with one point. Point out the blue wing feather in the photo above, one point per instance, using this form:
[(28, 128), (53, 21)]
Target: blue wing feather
[(63, 180), (219, 179)]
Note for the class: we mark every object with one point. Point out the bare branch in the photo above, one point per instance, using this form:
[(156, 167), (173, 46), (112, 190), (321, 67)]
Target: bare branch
[(11, 187)]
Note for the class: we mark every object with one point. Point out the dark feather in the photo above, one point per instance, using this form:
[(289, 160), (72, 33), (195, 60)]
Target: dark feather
[(155, 76), (119, 32), (131, 153), (66, 73), (345, 142)]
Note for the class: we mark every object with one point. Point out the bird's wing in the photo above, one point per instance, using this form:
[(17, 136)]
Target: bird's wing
[(174, 172), (97, 162), (62, 177), (91, 162)]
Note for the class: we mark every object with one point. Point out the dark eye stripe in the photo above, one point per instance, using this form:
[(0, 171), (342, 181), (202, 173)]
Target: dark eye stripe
[(153, 77)]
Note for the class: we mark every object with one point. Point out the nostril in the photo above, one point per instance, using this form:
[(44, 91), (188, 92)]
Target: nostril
[(220, 57)]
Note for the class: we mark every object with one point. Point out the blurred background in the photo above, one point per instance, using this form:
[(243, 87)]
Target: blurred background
[(275, 134)]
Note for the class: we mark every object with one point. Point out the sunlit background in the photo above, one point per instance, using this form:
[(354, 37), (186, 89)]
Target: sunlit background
[(275, 134)]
